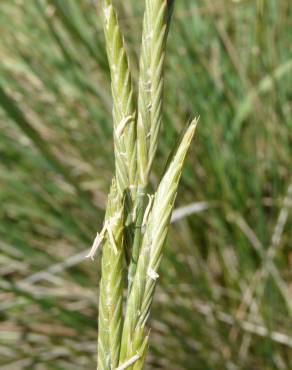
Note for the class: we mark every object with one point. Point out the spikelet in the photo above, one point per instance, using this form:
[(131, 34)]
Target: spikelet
[(151, 252), (155, 30), (124, 110), (111, 284)]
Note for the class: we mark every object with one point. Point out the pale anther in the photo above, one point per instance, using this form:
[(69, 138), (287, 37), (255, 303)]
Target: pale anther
[(152, 274), (121, 126), (147, 210)]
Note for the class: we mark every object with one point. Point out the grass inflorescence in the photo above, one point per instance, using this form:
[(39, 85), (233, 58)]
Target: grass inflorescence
[(223, 299), (136, 222)]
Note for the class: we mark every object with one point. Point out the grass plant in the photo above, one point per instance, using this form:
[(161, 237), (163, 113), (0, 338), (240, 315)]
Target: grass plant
[(125, 346), (224, 293)]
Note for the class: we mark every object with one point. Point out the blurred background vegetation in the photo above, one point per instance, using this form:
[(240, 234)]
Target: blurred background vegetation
[(224, 298)]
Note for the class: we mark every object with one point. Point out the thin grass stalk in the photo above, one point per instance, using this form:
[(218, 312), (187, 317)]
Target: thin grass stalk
[(141, 295), (111, 284)]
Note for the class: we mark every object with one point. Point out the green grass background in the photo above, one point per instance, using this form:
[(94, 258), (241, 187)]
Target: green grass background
[(224, 298)]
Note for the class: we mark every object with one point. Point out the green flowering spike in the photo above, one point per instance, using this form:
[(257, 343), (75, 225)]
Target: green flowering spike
[(155, 30), (111, 285), (141, 295), (124, 110), (123, 340)]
